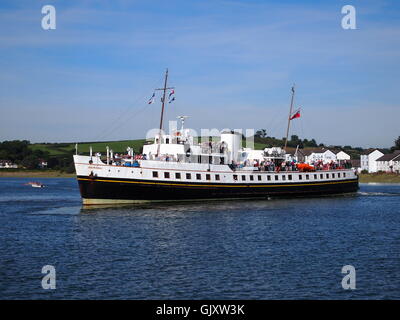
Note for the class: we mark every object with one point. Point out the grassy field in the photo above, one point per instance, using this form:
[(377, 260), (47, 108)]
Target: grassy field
[(379, 177), (56, 149)]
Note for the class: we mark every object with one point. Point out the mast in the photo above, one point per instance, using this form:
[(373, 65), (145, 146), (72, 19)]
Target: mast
[(290, 114), (162, 109)]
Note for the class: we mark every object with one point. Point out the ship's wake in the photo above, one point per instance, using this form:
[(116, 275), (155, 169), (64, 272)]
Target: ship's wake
[(378, 194)]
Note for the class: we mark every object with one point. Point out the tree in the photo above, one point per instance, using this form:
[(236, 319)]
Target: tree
[(313, 143), (397, 143), (16, 149), (30, 162), (262, 133), (3, 155), (53, 162)]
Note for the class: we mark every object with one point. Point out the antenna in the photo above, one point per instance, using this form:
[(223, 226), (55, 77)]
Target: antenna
[(182, 118)]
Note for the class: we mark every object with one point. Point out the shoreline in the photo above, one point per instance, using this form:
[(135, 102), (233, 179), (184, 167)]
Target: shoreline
[(379, 178), (35, 174), (364, 177)]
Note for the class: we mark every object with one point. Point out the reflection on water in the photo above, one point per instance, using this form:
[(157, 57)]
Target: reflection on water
[(262, 249)]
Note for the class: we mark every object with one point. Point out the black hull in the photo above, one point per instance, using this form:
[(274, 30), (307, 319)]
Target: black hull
[(99, 190)]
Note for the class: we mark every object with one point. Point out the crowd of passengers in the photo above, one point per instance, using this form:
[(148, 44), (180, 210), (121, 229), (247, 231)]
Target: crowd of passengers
[(291, 165), (320, 165)]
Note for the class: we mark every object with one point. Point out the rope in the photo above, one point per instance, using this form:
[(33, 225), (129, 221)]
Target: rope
[(116, 124)]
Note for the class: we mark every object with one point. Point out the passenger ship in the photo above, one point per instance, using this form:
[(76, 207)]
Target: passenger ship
[(174, 167)]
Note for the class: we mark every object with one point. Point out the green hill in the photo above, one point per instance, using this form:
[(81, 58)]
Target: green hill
[(58, 149)]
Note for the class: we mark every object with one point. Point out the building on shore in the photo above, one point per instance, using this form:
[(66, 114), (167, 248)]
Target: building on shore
[(42, 164), (319, 154), (341, 156), (355, 163), (368, 160), (389, 162), (7, 164)]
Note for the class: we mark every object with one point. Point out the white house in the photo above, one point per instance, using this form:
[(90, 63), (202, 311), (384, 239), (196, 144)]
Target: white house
[(341, 156), (368, 160), (7, 164), (389, 162), (319, 154)]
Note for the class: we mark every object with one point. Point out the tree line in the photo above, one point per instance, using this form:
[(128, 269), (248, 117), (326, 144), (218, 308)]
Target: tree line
[(262, 137), (21, 153)]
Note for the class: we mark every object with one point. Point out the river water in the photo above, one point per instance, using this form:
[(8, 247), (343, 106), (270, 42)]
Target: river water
[(269, 249)]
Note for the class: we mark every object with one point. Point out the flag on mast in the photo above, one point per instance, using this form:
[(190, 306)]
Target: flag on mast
[(295, 115), (169, 96), (152, 98)]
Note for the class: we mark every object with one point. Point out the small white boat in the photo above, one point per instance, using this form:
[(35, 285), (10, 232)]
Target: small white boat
[(36, 184)]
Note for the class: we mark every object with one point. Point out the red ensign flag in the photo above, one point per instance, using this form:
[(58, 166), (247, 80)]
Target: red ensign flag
[(295, 115)]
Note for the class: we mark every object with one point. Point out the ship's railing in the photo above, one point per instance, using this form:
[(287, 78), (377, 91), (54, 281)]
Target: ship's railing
[(134, 161)]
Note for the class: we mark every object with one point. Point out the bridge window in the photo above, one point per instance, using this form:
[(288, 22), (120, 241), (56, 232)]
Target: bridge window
[(155, 174)]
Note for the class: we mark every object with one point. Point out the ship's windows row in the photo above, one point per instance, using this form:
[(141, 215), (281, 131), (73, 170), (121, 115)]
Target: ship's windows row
[(236, 177), (178, 175)]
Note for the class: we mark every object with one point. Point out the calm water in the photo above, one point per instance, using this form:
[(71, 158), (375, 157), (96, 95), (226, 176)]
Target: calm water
[(276, 249)]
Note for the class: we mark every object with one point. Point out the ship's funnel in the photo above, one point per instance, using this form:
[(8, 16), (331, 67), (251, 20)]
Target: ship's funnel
[(233, 141)]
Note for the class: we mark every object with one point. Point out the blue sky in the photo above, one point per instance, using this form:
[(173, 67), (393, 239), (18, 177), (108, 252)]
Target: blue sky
[(232, 63)]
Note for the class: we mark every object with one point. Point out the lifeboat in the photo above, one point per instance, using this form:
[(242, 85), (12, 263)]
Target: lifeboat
[(305, 167)]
